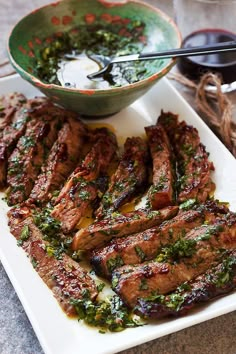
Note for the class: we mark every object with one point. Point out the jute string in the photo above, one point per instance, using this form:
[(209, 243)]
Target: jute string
[(215, 105)]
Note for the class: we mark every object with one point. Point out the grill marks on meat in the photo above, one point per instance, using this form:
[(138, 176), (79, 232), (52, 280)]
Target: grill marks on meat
[(196, 169), (9, 106), (216, 281), (193, 164), (63, 276), (28, 112), (130, 178), (61, 161), (31, 151), (182, 248), (202, 249), (82, 187), (161, 193), (170, 122), (144, 246), (119, 225)]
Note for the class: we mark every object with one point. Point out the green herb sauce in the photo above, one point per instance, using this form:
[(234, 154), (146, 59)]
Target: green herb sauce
[(181, 248), (57, 243), (69, 56), (115, 262), (227, 272), (108, 315), (25, 234)]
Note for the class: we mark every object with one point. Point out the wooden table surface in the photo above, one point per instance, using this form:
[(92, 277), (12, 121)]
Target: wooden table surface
[(216, 336)]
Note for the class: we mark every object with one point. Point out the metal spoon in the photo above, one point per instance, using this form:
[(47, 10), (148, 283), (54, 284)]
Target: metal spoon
[(106, 62)]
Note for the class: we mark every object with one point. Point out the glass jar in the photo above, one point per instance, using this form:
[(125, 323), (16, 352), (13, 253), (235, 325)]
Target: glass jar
[(207, 22)]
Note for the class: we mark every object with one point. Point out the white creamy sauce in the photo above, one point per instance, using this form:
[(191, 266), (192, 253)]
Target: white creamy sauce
[(73, 73)]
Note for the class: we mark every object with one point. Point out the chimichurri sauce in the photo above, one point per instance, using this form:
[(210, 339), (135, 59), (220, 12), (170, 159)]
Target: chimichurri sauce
[(66, 59)]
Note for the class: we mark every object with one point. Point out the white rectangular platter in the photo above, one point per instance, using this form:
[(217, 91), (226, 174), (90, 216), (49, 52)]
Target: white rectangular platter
[(60, 335)]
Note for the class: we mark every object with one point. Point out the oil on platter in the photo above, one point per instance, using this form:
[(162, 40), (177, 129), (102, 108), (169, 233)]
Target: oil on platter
[(60, 335)]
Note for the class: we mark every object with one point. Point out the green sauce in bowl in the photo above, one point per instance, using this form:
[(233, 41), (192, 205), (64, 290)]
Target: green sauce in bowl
[(41, 43), (66, 59)]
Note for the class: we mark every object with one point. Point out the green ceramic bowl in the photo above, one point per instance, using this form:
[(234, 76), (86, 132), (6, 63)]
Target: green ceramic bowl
[(39, 27)]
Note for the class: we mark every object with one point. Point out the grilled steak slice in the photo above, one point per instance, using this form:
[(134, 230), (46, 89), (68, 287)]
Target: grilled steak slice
[(13, 131), (213, 210), (9, 105), (193, 163), (61, 161), (170, 122), (161, 193), (201, 249), (3, 165), (63, 276), (82, 187), (143, 246), (216, 281), (101, 232), (28, 156), (130, 178)]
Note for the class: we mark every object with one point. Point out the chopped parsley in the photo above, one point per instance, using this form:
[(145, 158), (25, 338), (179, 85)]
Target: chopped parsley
[(140, 253), (57, 244), (210, 231), (115, 262), (84, 195), (99, 37), (108, 315), (188, 204), (226, 274), (181, 248), (27, 141), (24, 235), (49, 226), (143, 284), (188, 149)]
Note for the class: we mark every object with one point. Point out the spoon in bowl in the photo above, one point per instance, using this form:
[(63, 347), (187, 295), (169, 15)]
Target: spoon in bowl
[(106, 63)]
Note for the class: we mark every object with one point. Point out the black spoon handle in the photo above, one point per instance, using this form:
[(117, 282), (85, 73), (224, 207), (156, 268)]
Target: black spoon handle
[(191, 51), (171, 53)]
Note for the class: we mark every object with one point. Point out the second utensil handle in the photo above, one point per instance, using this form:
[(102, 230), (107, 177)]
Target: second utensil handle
[(180, 52)]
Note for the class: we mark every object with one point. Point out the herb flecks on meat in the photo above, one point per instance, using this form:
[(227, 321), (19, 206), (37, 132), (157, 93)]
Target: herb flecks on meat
[(145, 245), (65, 277), (161, 193), (130, 178), (201, 249), (194, 167), (216, 281), (32, 149), (110, 314), (119, 225), (162, 262), (62, 159), (82, 188)]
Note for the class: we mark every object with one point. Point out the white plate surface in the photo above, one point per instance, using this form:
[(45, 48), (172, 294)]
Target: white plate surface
[(60, 335)]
